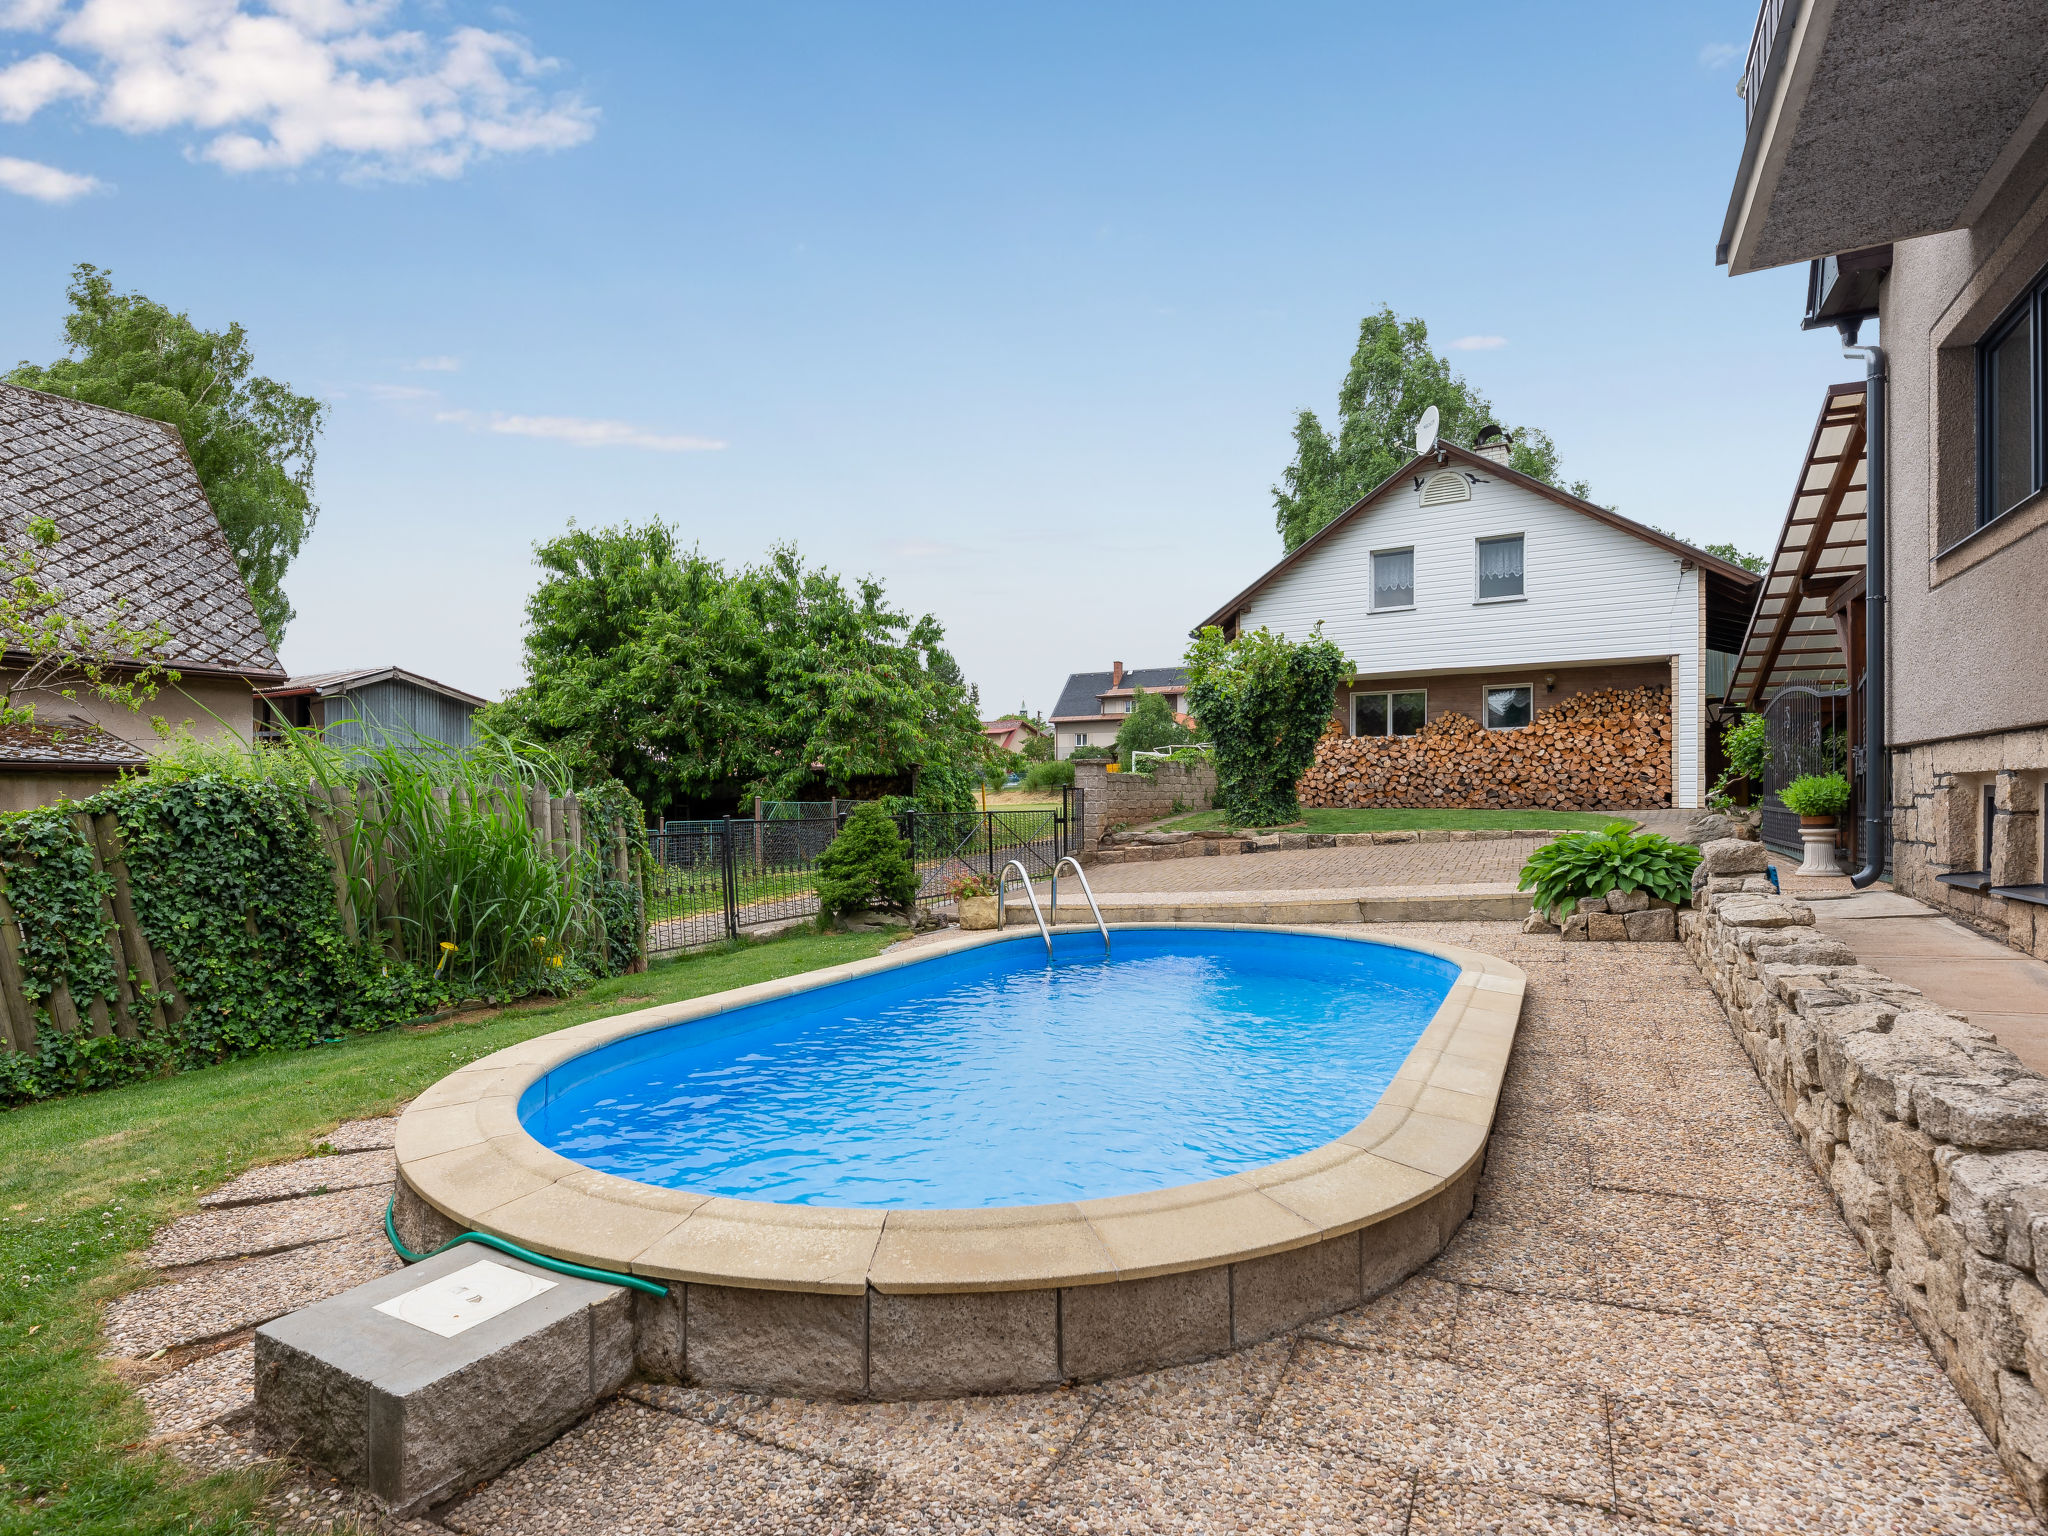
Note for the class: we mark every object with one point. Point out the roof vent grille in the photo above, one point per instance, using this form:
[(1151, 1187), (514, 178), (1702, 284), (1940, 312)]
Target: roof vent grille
[(1446, 485)]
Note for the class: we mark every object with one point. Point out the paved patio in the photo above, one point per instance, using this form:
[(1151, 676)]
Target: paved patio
[(1654, 1321), (1318, 869)]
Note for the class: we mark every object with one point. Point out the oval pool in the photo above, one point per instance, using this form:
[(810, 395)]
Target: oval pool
[(990, 1077)]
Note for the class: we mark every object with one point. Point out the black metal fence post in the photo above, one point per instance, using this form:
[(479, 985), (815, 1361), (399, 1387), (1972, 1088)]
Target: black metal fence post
[(732, 884)]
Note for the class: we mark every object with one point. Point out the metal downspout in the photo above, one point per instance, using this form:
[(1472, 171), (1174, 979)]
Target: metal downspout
[(1875, 765)]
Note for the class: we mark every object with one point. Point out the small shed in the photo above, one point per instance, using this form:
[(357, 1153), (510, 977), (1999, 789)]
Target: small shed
[(370, 707)]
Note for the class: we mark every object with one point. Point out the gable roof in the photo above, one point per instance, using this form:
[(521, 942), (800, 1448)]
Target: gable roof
[(1447, 452), (328, 684), (1081, 698), (135, 524)]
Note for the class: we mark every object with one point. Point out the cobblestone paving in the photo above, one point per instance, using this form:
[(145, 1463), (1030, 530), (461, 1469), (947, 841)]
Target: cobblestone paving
[(1654, 1322)]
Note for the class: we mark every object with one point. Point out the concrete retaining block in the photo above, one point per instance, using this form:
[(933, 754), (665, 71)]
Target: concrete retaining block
[(412, 1416)]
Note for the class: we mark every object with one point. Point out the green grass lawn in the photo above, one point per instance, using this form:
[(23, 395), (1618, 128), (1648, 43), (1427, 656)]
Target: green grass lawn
[(85, 1181), (1407, 820)]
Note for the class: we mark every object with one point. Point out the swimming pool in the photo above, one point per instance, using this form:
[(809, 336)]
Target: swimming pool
[(993, 1078), (1219, 1134)]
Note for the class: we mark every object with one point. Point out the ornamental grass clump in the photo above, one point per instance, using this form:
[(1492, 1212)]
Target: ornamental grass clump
[(865, 866), (1595, 863), (1816, 794)]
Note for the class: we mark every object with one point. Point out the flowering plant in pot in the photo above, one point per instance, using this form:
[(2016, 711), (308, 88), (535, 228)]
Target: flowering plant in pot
[(974, 898)]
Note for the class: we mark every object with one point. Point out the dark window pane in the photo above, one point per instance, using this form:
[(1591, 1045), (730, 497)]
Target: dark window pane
[(1500, 567), (2012, 419), (1369, 717), (1393, 579), (1506, 708), (1407, 713)]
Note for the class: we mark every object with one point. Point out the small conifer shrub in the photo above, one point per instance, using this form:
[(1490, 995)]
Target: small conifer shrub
[(866, 866)]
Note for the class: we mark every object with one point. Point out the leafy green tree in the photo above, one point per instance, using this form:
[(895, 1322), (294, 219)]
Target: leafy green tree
[(1264, 701), (251, 438), (1734, 556), (1394, 377), (701, 687), (865, 866), (1149, 726)]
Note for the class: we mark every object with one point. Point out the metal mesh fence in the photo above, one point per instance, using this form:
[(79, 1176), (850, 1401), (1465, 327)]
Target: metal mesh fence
[(714, 880)]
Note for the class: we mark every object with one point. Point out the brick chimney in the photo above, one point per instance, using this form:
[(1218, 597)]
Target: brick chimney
[(1116, 674), (1494, 444)]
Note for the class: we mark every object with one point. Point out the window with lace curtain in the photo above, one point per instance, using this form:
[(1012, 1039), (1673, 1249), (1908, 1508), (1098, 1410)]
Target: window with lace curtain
[(1500, 568), (1393, 579)]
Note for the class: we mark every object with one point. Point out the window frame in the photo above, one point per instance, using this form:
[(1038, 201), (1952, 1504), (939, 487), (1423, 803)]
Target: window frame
[(1372, 582), (2031, 306), (1486, 688), (1500, 538), (1389, 694)]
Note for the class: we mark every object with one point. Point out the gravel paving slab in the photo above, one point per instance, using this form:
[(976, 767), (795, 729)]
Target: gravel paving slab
[(247, 1230), (1548, 1259), (1417, 1318), (633, 1471), (1136, 1473), (223, 1300), (1230, 1390), (1621, 1350), (363, 1135), (216, 1448), (1872, 1387), (705, 1405), (204, 1392), (1445, 1508), (969, 1450), (1736, 1475), (308, 1176), (1368, 1402)]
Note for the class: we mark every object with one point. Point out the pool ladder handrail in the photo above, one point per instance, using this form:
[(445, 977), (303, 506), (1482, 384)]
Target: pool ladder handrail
[(1002, 890), (1081, 875)]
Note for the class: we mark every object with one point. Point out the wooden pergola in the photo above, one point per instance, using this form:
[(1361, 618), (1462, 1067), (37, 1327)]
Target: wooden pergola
[(1803, 631)]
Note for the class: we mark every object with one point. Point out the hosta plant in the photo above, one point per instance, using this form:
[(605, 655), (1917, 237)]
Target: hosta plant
[(1594, 863)]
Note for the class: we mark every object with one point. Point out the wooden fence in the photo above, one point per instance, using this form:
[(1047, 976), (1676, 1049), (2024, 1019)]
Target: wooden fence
[(145, 987)]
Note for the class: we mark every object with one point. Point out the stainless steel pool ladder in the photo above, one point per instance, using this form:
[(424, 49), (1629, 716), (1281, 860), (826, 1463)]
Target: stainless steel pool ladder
[(1081, 875), (1002, 890)]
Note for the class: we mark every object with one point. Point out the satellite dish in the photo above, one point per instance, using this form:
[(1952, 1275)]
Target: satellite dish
[(1425, 430)]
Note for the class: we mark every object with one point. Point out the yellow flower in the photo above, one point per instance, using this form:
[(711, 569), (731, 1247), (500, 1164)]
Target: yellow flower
[(558, 960), (447, 947)]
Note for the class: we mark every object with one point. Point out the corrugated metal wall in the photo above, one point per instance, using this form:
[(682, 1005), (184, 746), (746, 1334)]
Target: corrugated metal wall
[(396, 708)]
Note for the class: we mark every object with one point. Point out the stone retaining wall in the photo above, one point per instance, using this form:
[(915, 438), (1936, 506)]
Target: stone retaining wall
[(1933, 1137), (1132, 799), (1152, 847)]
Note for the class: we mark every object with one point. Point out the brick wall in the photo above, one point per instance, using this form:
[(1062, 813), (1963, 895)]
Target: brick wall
[(1130, 799), (1595, 750)]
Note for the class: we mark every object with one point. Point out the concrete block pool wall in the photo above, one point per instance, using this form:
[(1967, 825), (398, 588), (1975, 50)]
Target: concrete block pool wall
[(832, 1302)]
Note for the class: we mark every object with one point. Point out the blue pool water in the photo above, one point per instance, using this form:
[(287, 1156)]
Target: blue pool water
[(992, 1077)]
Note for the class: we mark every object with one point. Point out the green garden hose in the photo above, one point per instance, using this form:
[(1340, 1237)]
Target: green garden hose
[(559, 1266)]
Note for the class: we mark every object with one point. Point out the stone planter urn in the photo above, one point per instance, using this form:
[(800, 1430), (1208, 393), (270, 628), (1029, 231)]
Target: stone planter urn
[(1818, 834), (977, 912)]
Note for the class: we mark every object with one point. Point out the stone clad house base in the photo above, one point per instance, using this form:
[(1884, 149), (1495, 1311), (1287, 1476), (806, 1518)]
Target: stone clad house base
[(886, 1346), (1938, 827), (1932, 1136)]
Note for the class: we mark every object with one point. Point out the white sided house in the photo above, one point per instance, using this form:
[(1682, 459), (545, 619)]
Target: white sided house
[(1514, 644)]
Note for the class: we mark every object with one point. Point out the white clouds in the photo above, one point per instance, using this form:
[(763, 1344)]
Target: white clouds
[(1479, 343), (45, 183), (278, 84), (28, 87), (435, 365), (1719, 55), (579, 431)]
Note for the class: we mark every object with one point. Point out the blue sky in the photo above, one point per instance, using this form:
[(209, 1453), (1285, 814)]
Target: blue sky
[(1011, 307)]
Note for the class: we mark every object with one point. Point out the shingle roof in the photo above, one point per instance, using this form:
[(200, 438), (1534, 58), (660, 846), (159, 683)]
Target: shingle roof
[(135, 524), (1079, 697), (64, 745), (328, 683)]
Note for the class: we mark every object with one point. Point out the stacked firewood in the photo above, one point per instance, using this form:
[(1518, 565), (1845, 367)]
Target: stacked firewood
[(1592, 751)]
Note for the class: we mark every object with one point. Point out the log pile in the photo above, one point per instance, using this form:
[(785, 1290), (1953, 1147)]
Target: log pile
[(1592, 751)]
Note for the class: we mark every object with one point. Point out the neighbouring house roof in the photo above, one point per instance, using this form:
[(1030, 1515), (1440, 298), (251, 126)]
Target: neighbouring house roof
[(59, 746), (1082, 696), (1820, 558), (1009, 727), (329, 685), (135, 525), (1726, 582)]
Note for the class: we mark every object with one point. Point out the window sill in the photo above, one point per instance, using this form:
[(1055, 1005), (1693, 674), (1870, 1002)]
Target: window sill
[(1980, 544), (1407, 608), (1506, 727), (1966, 880), (2033, 895), (1487, 602)]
